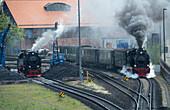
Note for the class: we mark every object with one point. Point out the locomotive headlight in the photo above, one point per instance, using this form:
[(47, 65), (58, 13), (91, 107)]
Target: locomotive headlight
[(38, 66), (141, 52), (32, 53), (134, 65), (29, 66)]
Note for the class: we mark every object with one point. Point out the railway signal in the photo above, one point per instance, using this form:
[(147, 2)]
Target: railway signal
[(87, 75), (126, 79), (91, 80), (62, 94)]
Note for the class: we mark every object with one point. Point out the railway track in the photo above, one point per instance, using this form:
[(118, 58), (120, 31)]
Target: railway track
[(142, 98), (143, 95), (146, 90), (100, 102)]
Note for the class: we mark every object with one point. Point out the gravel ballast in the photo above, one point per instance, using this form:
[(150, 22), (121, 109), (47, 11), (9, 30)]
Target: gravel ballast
[(62, 71), (9, 75), (71, 70)]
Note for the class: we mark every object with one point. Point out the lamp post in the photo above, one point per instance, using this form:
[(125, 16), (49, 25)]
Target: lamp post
[(164, 31), (160, 41), (79, 40)]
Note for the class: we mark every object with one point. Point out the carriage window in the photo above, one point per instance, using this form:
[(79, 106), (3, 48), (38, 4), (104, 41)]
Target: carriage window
[(82, 52), (86, 52), (92, 53), (71, 51), (61, 50), (109, 55), (101, 55), (104, 54), (66, 51)]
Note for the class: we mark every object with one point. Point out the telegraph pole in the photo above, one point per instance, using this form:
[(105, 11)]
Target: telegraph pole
[(164, 31), (79, 41)]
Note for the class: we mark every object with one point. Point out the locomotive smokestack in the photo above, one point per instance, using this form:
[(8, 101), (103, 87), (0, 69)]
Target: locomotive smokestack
[(140, 41)]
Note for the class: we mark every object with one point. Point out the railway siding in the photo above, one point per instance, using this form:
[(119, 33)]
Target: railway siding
[(93, 98)]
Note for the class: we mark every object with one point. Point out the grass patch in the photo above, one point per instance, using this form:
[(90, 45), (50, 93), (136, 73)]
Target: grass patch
[(16, 97)]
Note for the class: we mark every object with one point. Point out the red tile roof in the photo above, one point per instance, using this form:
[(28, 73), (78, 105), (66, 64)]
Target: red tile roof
[(31, 13)]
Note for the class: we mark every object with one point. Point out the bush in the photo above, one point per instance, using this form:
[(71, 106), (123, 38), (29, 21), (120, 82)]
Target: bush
[(154, 53)]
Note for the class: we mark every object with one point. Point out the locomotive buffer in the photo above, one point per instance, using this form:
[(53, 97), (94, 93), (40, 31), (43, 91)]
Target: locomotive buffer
[(2, 46)]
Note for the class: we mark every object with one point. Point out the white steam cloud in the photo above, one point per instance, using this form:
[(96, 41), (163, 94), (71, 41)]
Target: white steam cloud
[(101, 15), (138, 16), (47, 37), (128, 73), (152, 72)]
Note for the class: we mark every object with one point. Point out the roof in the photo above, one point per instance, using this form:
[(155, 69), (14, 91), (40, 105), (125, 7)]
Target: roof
[(32, 14), (75, 46)]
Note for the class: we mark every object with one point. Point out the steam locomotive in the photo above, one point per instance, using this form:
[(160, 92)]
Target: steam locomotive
[(141, 62), (136, 59), (29, 63)]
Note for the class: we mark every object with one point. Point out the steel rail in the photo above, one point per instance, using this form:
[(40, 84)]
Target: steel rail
[(139, 95), (55, 87), (118, 89), (122, 85), (75, 89), (150, 93)]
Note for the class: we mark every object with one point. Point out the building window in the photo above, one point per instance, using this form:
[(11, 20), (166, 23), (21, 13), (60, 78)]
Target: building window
[(57, 7), (43, 30), (28, 33)]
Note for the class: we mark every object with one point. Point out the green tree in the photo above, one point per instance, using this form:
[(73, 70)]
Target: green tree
[(15, 33), (154, 53)]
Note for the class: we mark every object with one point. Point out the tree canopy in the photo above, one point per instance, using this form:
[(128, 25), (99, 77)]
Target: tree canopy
[(154, 53), (15, 33)]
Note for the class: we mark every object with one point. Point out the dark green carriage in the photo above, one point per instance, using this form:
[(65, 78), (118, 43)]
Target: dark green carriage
[(90, 55), (71, 53), (106, 57), (121, 57)]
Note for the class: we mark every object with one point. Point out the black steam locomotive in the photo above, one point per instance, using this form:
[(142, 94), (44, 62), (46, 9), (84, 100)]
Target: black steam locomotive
[(136, 59), (141, 62), (29, 63)]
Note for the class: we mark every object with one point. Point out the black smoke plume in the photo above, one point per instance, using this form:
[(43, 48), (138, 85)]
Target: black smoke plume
[(138, 16)]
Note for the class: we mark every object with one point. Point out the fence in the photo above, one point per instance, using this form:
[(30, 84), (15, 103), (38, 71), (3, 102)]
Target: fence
[(165, 69)]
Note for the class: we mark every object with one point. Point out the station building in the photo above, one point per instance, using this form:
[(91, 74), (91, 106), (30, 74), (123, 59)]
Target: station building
[(38, 16)]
